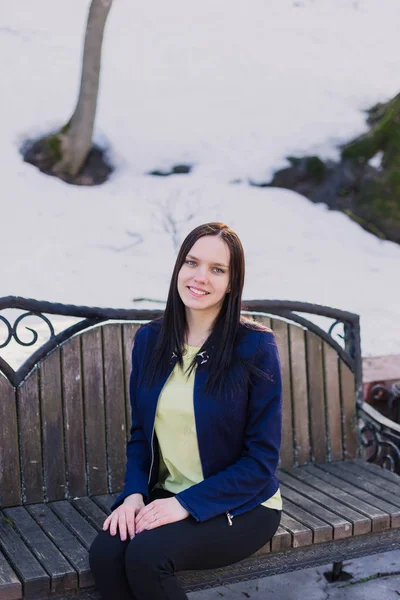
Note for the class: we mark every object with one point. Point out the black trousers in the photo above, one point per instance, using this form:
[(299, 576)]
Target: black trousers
[(144, 568)]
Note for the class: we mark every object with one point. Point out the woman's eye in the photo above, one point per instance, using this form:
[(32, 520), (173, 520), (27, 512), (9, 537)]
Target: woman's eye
[(220, 270), (189, 261)]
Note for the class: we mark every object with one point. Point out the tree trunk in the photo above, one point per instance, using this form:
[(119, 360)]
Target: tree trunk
[(76, 136)]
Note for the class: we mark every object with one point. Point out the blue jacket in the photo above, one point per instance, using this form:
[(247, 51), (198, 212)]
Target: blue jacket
[(238, 439)]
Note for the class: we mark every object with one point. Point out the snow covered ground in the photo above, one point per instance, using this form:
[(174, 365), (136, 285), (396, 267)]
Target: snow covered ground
[(229, 87)]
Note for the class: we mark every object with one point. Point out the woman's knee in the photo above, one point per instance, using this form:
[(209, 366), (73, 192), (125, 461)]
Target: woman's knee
[(143, 553), (106, 549)]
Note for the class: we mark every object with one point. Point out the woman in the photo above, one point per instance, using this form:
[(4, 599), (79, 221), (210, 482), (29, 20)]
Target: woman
[(200, 488)]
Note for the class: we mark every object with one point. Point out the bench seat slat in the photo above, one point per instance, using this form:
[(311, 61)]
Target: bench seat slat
[(374, 478), (380, 520), (63, 576), (341, 527), (67, 543), (91, 511), (300, 534), (322, 532), (360, 523), (377, 470), (282, 540), (74, 521), (35, 580), (363, 484), (383, 505), (105, 501), (10, 585)]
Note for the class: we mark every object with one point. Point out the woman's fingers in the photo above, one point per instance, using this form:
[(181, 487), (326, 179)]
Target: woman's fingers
[(130, 523), (114, 523), (122, 525), (106, 523)]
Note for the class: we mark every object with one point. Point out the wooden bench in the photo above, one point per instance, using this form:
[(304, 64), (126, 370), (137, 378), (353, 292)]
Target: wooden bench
[(64, 417)]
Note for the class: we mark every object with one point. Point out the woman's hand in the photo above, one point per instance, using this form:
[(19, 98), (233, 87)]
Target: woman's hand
[(124, 517), (160, 512)]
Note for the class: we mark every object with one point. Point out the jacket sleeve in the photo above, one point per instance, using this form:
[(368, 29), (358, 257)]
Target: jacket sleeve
[(137, 451), (246, 478)]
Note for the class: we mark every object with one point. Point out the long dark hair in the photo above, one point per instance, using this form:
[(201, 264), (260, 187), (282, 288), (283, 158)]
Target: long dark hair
[(226, 328)]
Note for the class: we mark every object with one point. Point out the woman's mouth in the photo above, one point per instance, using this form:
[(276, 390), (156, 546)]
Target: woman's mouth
[(197, 293)]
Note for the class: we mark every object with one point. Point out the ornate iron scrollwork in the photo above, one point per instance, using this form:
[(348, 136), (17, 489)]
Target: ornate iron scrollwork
[(380, 437), (12, 330)]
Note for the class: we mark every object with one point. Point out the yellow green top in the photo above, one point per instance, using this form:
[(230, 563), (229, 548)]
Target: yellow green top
[(175, 427)]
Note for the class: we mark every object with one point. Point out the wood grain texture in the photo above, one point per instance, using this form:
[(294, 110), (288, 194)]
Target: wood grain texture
[(379, 519), (62, 576), (52, 426), (90, 511), (335, 477), (299, 394), (114, 395), (349, 411), (73, 417), (333, 409), (10, 585), (35, 580), (280, 329), (316, 397), (10, 476), (93, 399), (31, 438), (341, 527), (321, 531), (65, 541), (301, 534), (128, 337), (360, 524)]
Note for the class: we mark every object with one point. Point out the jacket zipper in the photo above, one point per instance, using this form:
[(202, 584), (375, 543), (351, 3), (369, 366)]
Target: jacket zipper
[(152, 455), (229, 517)]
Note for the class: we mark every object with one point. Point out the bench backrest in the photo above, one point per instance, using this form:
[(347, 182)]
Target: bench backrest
[(65, 414)]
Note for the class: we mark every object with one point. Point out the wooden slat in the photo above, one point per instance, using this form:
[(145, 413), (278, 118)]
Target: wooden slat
[(374, 478), (315, 376), (266, 321), (10, 476), (52, 426), (30, 438), (91, 511), (301, 535), (73, 417), (105, 501), (128, 334), (299, 394), (282, 540), (359, 523), (321, 531), (74, 521), (333, 410), (352, 489), (373, 488), (380, 520), (373, 468), (342, 528), (65, 541), (114, 390), (10, 586), (63, 576), (349, 411), (34, 578), (280, 329), (93, 396)]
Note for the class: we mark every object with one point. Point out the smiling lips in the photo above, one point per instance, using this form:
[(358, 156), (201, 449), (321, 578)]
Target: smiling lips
[(196, 292)]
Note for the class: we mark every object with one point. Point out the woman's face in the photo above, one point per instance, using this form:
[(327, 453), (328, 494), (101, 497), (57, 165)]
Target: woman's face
[(205, 269)]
